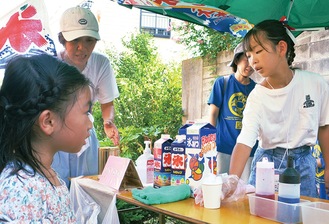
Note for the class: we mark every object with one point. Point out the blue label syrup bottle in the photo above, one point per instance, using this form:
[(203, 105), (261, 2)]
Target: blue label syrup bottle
[(289, 192)]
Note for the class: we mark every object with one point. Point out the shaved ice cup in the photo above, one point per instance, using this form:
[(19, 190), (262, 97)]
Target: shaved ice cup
[(212, 191)]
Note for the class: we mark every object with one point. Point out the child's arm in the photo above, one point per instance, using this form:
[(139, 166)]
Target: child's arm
[(324, 144), (320, 163)]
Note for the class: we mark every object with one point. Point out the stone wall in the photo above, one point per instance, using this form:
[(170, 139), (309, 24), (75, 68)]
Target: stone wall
[(312, 54)]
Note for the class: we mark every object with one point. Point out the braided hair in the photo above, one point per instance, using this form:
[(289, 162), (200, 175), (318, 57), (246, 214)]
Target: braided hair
[(274, 31), (30, 86)]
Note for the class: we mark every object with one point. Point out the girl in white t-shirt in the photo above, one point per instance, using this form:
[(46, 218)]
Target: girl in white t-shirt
[(287, 112)]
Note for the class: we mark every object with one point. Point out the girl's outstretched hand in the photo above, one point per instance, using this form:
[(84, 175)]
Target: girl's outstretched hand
[(230, 183), (234, 188)]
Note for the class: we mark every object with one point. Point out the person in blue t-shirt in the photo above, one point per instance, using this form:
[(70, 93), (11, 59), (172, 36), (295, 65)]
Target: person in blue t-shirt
[(319, 178), (227, 101)]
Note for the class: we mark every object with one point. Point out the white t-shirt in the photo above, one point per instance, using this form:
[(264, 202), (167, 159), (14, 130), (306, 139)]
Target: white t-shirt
[(288, 117), (101, 74)]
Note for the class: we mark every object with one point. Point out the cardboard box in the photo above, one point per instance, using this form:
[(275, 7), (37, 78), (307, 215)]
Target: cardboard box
[(182, 130), (178, 160), (178, 157), (201, 153), (162, 161)]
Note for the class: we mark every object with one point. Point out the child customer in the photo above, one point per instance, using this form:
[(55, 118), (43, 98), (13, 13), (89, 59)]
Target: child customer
[(287, 112), (44, 107)]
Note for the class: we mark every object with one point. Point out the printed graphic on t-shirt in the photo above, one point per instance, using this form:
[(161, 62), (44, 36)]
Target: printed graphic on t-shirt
[(237, 103), (238, 125), (308, 103)]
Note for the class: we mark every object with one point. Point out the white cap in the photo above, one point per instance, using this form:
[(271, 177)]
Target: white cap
[(265, 164), (237, 51), (78, 22)]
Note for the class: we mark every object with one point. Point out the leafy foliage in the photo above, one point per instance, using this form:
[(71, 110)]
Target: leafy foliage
[(130, 214), (150, 101), (149, 105), (203, 41)]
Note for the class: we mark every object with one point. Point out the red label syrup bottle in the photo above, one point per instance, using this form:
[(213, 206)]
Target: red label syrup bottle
[(265, 189)]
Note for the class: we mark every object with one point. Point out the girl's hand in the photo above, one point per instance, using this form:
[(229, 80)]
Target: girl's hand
[(230, 184)]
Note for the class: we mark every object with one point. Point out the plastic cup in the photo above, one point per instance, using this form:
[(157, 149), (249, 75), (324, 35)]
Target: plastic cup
[(212, 193)]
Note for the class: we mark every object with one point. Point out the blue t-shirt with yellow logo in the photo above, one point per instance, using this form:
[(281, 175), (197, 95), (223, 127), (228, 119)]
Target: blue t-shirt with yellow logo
[(319, 178), (231, 105)]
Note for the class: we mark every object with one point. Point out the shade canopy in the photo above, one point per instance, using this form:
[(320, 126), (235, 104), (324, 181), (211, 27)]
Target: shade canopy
[(238, 16)]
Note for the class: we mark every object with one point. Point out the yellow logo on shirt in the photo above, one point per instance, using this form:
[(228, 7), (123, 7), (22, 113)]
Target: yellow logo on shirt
[(237, 103), (238, 125)]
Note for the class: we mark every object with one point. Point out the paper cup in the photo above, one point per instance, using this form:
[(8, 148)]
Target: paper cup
[(211, 195)]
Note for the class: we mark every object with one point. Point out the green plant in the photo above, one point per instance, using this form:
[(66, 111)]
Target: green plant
[(203, 41), (129, 214), (149, 104), (150, 94)]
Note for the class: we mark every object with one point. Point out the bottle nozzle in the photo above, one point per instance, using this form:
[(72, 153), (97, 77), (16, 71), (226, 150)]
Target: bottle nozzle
[(290, 175), (147, 146), (290, 162)]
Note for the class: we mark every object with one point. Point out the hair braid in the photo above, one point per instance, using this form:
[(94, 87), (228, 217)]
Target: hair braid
[(33, 106)]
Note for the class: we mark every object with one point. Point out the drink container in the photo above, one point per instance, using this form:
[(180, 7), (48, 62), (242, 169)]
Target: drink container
[(178, 160), (289, 192), (145, 165), (162, 161), (265, 189), (265, 179)]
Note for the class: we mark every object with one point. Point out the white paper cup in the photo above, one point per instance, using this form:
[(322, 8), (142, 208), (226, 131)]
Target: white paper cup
[(212, 193)]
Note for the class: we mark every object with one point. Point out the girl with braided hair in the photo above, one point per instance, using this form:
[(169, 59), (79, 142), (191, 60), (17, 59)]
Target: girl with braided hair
[(286, 112), (44, 107)]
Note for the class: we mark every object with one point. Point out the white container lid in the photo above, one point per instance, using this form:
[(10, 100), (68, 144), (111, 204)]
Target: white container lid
[(265, 164)]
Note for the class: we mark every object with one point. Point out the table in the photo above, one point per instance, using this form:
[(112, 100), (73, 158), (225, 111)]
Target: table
[(186, 210)]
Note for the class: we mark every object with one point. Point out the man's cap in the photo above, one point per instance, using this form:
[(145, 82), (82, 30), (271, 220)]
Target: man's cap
[(237, 51), (78, 22)]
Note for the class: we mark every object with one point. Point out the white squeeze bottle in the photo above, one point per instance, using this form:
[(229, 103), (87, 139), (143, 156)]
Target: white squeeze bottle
[(265, 179), (145, 165)]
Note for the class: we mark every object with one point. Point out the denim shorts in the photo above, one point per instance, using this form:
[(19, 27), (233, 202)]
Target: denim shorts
[(304, 163)]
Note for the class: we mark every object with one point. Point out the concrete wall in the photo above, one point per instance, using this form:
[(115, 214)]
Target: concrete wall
[(312, 54)]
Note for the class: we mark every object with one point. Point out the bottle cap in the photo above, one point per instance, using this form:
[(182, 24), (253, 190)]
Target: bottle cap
[(265, 163), (290, 175)]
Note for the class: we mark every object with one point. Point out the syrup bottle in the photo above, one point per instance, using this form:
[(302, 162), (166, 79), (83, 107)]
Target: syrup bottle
[(289, 184), (289, 192), (265, 189), (265, 179)]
